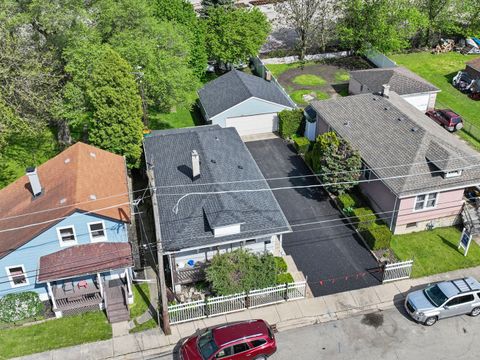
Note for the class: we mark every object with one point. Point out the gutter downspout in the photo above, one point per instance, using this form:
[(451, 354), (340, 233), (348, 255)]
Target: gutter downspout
[(394, 215)]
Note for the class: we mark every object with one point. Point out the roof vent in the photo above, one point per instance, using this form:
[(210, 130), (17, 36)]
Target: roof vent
[(92, 154), (34, 181), (213, 161), (414, 129), (93, 197), (385, 108), (240, 167), (216, 138), (386, 91), (346, 123), (195, 165), (399, 119), (66, 161), (63, 201)]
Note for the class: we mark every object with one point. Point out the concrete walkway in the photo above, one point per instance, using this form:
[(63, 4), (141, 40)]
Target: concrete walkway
[(285, 316)]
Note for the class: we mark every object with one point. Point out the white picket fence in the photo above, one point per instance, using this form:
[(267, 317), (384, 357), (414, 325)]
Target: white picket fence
[(220, 305), (397, 271)]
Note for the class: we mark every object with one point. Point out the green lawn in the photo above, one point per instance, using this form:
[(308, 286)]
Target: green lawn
[(342, 76), (182, 117), (277, 69), (297, 96), (309, 80), (54, 334), (435, 251), (141, 296), (439, 70)]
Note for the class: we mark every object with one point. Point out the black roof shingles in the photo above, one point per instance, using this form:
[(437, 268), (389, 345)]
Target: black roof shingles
[(223, 158), (400, 143), (234, 87)]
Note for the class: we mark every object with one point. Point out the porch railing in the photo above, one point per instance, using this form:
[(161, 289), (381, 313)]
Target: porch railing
[(397, 271), (220, 305)]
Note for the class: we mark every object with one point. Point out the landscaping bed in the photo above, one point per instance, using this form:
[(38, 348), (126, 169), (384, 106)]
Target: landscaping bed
[(319, 80)]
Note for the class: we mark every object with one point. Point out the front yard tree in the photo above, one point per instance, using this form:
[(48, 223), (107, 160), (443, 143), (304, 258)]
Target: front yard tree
[(336, 162), (239, 271), (313, 21), (235, 34)]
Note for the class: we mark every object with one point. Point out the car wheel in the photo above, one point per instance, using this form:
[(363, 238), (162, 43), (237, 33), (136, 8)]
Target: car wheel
[(430, 321), (475, 311), (458, 126)]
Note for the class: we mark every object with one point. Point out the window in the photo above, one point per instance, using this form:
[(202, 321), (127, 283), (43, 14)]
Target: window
[(97, 231), (66, 235), (426, 201), (259, 342), (224, 352), (240, 348), (411, 225), (17, 276), (248, 242), (460, 300)]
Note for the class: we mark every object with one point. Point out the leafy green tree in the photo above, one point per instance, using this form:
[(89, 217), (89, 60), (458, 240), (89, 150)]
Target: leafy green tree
[(386, 25), (239, 271), (234, 35), (210, 3), (334, 159)]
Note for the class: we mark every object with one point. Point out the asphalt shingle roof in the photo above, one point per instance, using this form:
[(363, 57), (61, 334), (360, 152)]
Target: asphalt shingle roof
[(395, 139), (223, 158), (234, 87), (400, 79)]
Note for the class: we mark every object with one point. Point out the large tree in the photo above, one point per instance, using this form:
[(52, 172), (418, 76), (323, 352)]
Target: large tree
[(312, 20), (386, 25), (336, 162), (234, 35)]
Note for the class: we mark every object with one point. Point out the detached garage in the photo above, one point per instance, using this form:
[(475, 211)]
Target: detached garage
[(243, 101), (414, 89)]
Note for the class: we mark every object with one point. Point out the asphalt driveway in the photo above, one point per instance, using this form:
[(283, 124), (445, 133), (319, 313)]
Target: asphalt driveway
[(329, 252)]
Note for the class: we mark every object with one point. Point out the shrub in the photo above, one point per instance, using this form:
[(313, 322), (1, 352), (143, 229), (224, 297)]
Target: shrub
[(301, 143), (290, 123), (377, 236), (239, 271), (364, 218), (280, 264), (285, 278), (346, 201), (20, 306)]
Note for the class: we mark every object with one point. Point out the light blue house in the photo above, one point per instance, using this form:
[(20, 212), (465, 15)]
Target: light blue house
[(246, 102), (63, 233)]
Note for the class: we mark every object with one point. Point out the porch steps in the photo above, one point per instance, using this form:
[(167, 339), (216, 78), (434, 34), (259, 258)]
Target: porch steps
[(471, 219), (117, 308)]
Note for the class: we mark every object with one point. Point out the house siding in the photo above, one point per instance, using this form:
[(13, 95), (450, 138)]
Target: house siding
[(322, 126), (381, 198), (47, 242), (251, 106), (354, 87), (446, 212)]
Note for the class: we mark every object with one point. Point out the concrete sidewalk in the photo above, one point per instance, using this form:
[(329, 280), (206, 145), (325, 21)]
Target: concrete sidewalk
[(284, 315)]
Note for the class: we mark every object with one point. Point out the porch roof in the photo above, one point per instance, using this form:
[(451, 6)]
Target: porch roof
[(84, 260)]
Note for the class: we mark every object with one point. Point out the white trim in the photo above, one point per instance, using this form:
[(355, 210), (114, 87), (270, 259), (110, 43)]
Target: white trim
[(252, 97), (425, 208), (10, 277), (104, 238), (62, 243)]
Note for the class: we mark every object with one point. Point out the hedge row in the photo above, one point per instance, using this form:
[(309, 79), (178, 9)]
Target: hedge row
[(301, 143), (290, 122), (376, 233)]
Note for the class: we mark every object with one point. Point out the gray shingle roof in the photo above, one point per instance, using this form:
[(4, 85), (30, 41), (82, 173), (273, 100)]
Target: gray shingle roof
[(224, 158), (400, 79), (391, 132), (234, 87)]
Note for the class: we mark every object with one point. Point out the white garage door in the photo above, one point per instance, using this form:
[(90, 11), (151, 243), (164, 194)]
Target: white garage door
[(419, 101), (255, 124)]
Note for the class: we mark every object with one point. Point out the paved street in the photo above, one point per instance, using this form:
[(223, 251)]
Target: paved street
[(381, 335), (329, 250)]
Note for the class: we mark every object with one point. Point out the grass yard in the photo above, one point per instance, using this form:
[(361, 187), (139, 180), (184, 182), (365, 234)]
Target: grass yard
[(277, 69), (141, 296), (342, 76), (182, 117), (54, 334), (297, 96), (309, 80), (435, 251), (439, 70)]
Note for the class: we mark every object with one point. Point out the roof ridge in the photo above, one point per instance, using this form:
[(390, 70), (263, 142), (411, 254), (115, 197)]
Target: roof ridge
[(237, 73)]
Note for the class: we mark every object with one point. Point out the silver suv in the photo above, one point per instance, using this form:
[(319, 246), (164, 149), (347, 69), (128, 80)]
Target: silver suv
[(444, 299)]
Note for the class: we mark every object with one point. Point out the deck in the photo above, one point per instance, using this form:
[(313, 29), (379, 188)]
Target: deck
[(77, 297)]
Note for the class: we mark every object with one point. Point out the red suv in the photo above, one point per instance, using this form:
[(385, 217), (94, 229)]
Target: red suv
[(252, 339), (449, 119)]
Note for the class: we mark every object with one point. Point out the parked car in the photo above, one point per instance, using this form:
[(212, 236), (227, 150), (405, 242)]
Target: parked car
[(447, 118), (252, 339), (462, 81), (444, 299)]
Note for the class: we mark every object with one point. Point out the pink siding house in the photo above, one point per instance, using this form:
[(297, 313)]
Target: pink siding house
[(415, 172)]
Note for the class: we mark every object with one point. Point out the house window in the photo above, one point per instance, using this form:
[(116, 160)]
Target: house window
[(411, 225), (426, 201), (450, 174), (66, 235), (97, 231), (249, 242), (17, 276)]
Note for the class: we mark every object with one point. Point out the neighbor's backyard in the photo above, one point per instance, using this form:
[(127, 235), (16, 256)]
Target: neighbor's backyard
[(434, 251), (439, 70), (316, 80)]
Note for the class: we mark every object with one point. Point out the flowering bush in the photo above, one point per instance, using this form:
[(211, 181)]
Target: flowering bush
[(20, 306)]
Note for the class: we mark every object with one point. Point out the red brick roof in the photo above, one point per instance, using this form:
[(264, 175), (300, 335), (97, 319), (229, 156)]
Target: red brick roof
[(474, 64), (84, 260), (81, 178)]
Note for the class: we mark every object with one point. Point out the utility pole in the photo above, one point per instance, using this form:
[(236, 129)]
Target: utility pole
[(138, 77), (161, 269)]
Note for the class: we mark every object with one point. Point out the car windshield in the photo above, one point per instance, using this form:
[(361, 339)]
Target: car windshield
[(206, 344), (455, 120), (435, 295)]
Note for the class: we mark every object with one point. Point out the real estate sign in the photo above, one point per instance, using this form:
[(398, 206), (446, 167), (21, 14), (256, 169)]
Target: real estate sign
[(465, 241)]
